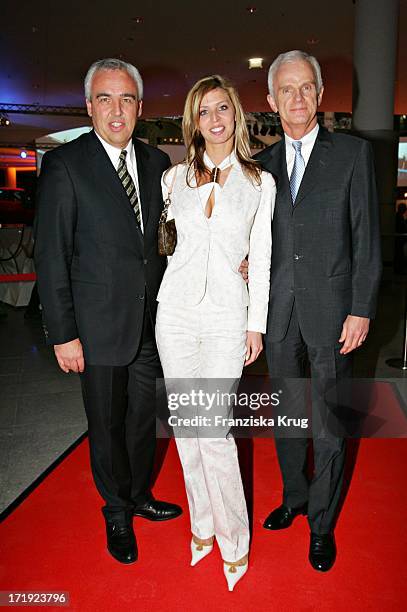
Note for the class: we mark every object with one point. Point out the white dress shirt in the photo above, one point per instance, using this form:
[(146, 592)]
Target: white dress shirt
[(114, 155), (308, 142)]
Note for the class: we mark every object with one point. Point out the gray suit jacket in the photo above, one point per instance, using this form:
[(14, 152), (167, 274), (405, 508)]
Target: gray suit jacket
[(326, 248)]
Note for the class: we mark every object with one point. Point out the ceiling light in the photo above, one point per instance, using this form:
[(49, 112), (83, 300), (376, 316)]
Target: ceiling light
[(255, 62), (4, 120), (313, 40), (23, 154), (137, 19), (251, 9)]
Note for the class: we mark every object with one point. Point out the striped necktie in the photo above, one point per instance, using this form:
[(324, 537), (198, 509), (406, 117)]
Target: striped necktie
[(297, 171), (129, 185)]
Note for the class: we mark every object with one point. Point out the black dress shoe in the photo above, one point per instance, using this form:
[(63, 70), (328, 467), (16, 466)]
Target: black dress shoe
[(155, 510), (121, 541), (322, 551), (283, 516)]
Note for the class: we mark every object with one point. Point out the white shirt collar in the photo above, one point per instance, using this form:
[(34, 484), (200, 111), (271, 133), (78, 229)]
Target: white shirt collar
[(228, 161), (114, 152), (308, 139), (308, 142), (131, 162)]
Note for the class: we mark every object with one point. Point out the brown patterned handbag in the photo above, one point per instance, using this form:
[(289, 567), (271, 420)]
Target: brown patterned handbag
[(167, 232)]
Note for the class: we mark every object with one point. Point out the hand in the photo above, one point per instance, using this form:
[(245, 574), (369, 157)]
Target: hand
[(354, 332), (244, 270), (254, 346), (70, 356)]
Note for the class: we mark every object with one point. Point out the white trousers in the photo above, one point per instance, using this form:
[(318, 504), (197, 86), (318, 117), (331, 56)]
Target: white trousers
[(208, 342)]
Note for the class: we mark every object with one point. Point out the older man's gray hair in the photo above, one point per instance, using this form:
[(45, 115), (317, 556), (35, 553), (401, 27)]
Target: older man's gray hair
[(113, 64), (294, 56)]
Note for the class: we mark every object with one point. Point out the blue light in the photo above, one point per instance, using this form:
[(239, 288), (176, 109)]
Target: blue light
[(23, 154)]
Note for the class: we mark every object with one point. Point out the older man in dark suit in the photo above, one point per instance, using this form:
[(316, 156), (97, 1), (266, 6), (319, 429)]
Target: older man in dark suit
[(99, 271), (326, 268)]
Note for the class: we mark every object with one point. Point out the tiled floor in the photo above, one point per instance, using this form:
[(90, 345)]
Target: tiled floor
[(41, 411)]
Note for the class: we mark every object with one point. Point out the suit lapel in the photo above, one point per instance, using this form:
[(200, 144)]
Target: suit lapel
[(277, 165), (144, 174), (107, 179), (316, 164), (105, 174)]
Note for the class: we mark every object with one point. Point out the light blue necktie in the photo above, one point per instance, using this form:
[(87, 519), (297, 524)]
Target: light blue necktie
[(298, 170)]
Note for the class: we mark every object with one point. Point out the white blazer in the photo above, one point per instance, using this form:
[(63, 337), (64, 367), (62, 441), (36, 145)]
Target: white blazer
[(209, 251)]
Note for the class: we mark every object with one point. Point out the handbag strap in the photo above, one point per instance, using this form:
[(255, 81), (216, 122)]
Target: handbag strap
[(167, 201)]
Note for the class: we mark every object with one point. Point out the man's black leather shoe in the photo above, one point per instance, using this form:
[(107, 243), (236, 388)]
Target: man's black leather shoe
[(121, 541), (322, 551), (155, 510), (283, 516)]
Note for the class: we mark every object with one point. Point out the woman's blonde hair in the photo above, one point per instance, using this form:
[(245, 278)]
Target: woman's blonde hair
[(194, 140)]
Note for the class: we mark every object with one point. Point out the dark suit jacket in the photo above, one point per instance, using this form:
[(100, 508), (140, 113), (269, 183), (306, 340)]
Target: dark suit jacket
[(95, 268), (326, 248)]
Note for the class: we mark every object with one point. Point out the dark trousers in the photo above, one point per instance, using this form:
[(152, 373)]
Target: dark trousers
[(288, 360), (120, 404)]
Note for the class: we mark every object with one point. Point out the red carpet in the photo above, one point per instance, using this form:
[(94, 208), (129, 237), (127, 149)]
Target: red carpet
[(55, 542)]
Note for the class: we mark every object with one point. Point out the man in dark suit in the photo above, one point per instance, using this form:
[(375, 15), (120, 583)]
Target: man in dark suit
[(99, 271), (326, 268)]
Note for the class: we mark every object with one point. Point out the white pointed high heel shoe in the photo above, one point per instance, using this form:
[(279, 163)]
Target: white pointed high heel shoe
[(199, 551), (235, 571)]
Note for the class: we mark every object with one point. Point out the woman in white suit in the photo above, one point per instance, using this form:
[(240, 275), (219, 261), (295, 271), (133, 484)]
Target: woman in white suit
[(209, 322)]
